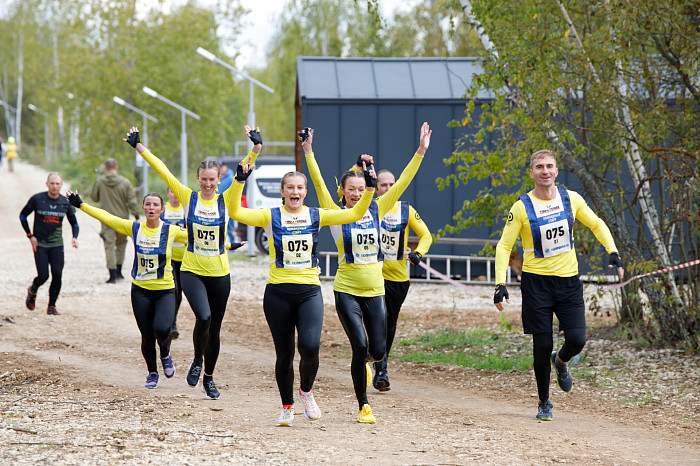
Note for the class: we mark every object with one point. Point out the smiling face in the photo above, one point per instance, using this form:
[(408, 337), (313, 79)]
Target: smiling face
[(208, 179), (293, 193), (54, 182), (152, 208), (353, 190), (544, 171)]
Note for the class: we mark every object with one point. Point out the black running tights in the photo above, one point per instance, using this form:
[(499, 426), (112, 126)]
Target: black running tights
[(207, 297), (290, 306), (368, 341), (154, 311), (178, 289), (43, 258), (542, 347)]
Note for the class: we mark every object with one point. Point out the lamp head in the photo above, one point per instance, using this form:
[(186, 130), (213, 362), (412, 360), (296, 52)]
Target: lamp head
[(150, 91), (118, 100), (206, 54)]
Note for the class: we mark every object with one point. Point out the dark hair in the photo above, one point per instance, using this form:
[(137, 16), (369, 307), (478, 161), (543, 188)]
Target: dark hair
[(153, 195), (209, 164), (110, 164), (344, 179)]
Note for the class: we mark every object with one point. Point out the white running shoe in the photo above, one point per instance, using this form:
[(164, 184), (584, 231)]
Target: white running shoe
[(311, 409), (286, 417)]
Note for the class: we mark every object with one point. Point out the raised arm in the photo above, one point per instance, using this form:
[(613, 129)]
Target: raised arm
[(120, 225), (342, 216), (325, 199), (181, 191), (389, 198)]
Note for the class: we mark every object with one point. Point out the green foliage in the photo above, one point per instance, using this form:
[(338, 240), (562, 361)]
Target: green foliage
[(545, 82), (476, 348)]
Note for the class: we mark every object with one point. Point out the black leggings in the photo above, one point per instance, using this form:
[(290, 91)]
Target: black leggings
[(290, 306), (43, 258), (542, 347), (207, 297), (368, 341), (178, 289), (395, 295), (154, 311)]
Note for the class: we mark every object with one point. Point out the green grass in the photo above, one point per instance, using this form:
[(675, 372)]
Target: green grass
[(477, 348)]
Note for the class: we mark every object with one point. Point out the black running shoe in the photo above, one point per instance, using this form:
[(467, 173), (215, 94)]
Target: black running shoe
[(381, 381), (210, 390), (193, 374), (51, 310), (564, 379), (30, 302), (544, 411)]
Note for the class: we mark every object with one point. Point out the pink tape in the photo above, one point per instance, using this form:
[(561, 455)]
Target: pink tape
[(614, 286), (442, 277)]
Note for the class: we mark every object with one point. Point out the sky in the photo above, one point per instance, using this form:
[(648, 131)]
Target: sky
[(261, 19)]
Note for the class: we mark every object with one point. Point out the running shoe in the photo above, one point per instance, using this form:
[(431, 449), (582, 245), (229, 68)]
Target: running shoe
[(168, 366), (381, 381), (544, 411), (210, 390), (286, 417), (365, 415), (51, 310), (564, 379), (152, 380), (369, 373), (193, 374), (30, 302), (311, 409)]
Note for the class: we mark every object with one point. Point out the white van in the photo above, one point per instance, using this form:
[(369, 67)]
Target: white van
[(263, 192)]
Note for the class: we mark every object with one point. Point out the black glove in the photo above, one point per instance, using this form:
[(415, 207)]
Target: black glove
[(240, 176), (615, 260), (500, 293), (234, 246), (255, 137), (304, 134), (133, 139), (75, 201), (369, 181), (359, 161), (415, 258)]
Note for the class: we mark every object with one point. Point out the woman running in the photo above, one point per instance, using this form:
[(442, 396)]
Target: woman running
[(293, 297), (204, 276), (358, 285), (174, 214), (152, 286)]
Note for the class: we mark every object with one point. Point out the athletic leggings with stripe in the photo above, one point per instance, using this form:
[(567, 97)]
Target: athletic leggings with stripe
[(289, 307), (154, 311), (207, 297), (364, 321)]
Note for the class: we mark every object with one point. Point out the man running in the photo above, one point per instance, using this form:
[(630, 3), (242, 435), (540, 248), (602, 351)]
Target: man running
[(49, 208), (544, 218)]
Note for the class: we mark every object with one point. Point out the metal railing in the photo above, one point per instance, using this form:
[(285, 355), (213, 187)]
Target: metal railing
[(448, 260)]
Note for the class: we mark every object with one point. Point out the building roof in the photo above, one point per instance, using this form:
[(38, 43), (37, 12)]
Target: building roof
[(332, 78)]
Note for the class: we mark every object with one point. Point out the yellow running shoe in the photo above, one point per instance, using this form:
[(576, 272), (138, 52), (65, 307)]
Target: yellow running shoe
[(369, 374), (365, 415)]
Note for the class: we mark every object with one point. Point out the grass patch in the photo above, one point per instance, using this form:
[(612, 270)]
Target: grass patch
[(476, 348)]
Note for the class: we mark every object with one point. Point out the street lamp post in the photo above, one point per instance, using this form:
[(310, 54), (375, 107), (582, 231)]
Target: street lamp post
[(47, 153), (251, 121), (144, 129), (183, 134)]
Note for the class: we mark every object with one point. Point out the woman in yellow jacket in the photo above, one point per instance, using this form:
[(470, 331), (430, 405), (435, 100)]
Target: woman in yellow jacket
[(293, 297), (152, 286), (204, 276), (358, 285)]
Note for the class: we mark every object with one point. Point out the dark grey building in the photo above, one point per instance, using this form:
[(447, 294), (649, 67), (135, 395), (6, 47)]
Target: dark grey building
[(377, 106)]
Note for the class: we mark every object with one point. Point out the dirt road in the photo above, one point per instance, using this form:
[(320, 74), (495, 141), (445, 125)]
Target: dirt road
[(71, 386)]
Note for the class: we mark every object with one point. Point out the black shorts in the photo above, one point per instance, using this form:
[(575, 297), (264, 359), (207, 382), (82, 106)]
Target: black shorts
[(545, 296)]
